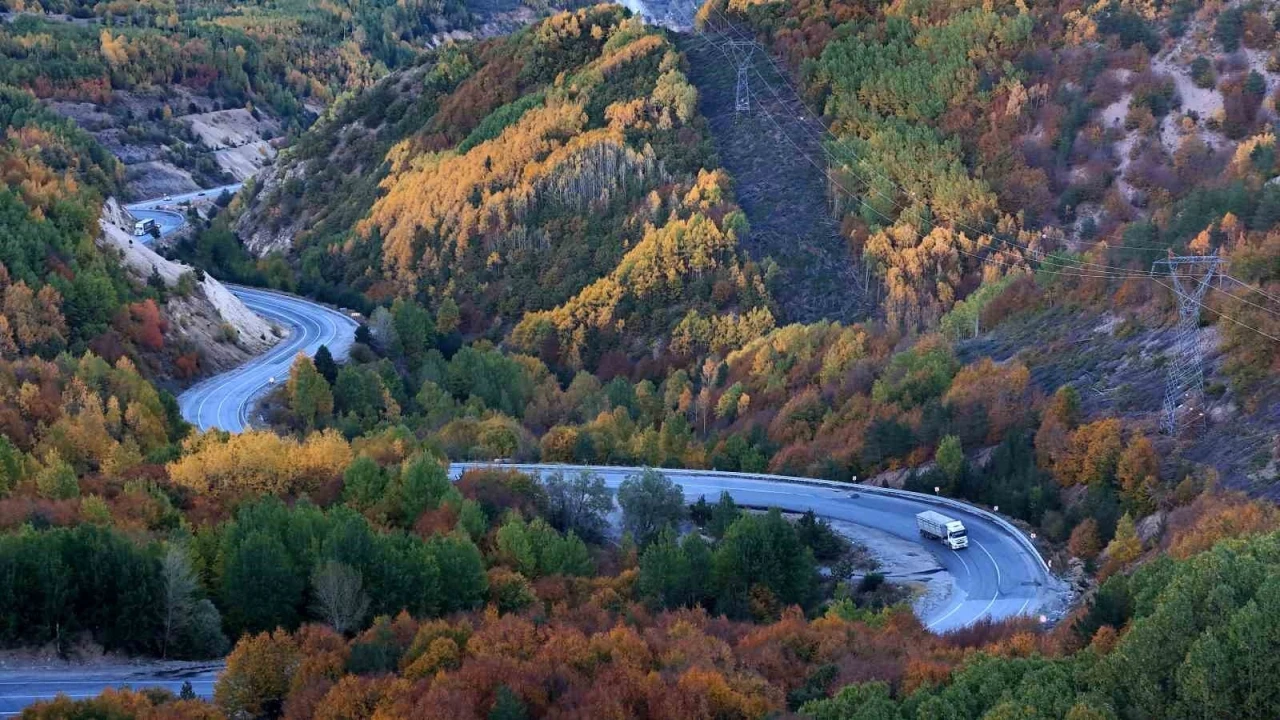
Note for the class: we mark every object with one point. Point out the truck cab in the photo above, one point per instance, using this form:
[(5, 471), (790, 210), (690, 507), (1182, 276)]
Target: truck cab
[(957, 537)]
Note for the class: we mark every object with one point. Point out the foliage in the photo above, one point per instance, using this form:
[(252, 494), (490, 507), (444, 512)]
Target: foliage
[(650, 502)]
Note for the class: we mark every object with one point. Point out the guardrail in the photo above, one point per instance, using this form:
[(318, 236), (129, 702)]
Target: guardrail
[(1008, 527)]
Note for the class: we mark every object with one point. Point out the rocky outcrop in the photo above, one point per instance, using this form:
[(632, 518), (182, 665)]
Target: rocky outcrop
[(209, 316), (261, 238)]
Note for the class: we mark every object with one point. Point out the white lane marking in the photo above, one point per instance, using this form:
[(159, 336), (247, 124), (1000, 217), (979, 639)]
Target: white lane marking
[(965, 563), (983, 548), (997, 567), (944, 617), (737, 489)]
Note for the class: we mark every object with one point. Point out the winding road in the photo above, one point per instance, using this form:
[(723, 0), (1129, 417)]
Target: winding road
[(1000, 575), (224, 401)]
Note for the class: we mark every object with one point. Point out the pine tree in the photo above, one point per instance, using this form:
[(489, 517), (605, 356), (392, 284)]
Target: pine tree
[(325, 364)]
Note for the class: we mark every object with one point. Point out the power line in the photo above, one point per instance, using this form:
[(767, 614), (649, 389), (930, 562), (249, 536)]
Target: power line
[(1184, 384), (825, 132), (1107, 271)]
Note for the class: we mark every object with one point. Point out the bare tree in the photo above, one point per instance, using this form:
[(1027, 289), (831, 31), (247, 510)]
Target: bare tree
[(339, 595), (180, 588)]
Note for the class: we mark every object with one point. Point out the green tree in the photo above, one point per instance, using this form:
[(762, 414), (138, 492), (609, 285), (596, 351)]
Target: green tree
[(723, 514), (261, 586), (415, 331), (507, 705), (950, 458), (363, 483), (325, 364), (762, 551), (665, 575), (650, 502), (423, 485), (463, 584), (579, 504)]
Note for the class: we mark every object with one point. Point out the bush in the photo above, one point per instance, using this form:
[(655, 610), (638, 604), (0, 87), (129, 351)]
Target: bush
[(1202, 73)]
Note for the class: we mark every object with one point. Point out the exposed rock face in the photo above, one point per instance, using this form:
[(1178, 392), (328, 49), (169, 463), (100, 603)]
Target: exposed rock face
[(208, 317), (1151, 527), (262, 238)]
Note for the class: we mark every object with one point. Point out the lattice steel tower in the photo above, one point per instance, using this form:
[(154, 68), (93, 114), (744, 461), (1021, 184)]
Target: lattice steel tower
[(741, 51), (1184, 386)]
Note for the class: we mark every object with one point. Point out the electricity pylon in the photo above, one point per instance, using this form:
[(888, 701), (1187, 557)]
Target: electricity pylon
[(741, 51), (1184, 386)]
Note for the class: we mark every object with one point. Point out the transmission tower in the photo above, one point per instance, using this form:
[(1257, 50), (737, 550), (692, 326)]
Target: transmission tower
[(741, 51), (1184, 387)]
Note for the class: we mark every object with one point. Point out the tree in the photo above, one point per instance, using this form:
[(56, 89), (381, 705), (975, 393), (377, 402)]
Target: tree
[(310, 397), (950, 457), (363, 483), (258, 675), (262, 588), (423, 485), (339, 595), (724, 514), (1084, 542), (666, 577), (507, 706), (1138, 472), (580, 504), (325, 364), (180, 586), (463, 583), (1125, 547), (650, 502), (415, 331), (761, 555)]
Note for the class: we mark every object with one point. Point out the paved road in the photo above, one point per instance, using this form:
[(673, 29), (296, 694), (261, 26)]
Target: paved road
[(210, 193), (20, 688), (170, 220), (223, 401), (997, 576)]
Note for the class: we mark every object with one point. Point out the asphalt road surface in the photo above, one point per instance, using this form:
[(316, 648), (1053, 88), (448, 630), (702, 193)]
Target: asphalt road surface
[(19, 688), (210, 193), (161, 209), (997, 576), (224, 401)]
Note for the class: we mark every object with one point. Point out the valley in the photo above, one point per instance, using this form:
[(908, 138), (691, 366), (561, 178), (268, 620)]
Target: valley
[(532, 361)]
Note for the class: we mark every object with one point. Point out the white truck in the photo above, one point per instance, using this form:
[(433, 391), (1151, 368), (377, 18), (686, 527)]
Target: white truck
[(948, 531)]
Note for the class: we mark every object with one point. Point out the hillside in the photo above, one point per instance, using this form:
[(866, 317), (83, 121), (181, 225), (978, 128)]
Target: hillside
[(921, 259), (557, 186)]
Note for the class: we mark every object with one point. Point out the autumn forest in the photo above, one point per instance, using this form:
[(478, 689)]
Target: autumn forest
[(558, 235)]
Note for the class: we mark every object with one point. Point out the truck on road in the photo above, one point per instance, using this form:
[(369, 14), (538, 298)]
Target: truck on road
[(142, 227), (948, 531)]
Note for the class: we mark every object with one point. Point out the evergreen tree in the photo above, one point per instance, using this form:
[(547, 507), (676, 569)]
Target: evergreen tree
[(325, 364)]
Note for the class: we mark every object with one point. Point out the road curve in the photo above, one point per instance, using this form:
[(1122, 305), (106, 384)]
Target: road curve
[(998, 576), (223, 401)]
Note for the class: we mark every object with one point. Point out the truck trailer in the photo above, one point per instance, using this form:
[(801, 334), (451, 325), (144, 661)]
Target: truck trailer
[(948, 531)]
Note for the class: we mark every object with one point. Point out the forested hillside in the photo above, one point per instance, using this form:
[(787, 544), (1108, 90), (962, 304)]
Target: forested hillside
[(553, 188), (550, 262)]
